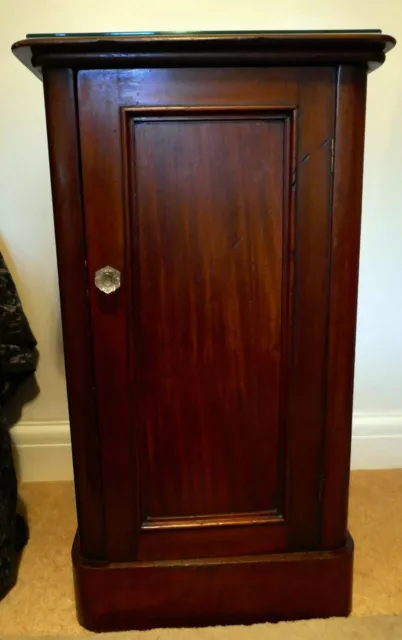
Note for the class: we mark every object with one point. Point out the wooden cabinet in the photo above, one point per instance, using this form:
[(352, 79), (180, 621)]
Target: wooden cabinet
[(207, 212)]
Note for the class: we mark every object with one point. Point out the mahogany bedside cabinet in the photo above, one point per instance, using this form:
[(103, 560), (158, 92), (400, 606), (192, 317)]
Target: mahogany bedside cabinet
[(207, 192)]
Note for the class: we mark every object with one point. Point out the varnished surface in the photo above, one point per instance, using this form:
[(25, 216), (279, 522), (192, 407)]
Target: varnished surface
[(346, 216), (64, 160), (289, 48), (105, 238), (209, 410), (239, 590), (211, 395), (208, 321), (307, 361)]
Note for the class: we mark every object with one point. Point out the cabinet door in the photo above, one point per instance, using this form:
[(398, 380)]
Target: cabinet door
[(210, 191)]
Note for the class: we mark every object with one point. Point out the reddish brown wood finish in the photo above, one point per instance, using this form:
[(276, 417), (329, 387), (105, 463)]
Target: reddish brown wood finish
[(206, 49), (110, 326), (211, 395), (208, 299), (70, 241), (217, 369), (346, 215), (221, 591), (307, 362)]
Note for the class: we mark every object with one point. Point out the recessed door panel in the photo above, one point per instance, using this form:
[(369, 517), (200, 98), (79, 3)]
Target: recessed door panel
[(208, 215)]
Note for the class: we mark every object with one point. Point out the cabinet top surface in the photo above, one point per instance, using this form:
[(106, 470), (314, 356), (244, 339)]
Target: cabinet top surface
[(216, 34), (202, 48)]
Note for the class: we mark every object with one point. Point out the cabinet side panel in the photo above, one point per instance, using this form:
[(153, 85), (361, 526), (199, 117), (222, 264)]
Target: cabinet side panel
[(313, 181), (69, 229), (347, 195)]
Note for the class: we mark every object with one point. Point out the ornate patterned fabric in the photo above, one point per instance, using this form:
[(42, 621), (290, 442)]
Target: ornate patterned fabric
[(17, 361)]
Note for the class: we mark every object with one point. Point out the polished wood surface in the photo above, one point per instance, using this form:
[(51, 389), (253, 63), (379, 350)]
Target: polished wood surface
[(245, 590), (64, 160), (345, 242), (208, 322), (205, 49), (211, 394), (225, 367)]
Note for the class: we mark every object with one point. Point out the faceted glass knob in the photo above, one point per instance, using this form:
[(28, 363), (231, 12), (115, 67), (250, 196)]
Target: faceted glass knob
[(107, 279)]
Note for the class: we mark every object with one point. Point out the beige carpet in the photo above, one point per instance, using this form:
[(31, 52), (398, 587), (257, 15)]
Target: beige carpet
[(371, 628), (42, 603)]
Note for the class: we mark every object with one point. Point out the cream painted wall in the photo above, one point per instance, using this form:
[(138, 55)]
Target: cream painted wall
[(25, 205)]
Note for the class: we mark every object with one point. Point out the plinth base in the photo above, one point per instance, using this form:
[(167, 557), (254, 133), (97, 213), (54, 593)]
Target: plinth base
[(202, 592)]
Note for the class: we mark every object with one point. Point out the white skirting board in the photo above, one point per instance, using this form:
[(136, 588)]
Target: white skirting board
[(376, 441), (43, 450)]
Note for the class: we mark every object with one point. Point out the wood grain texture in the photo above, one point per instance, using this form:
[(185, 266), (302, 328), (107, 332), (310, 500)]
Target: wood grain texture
[(242, 536), (146, 88), (209, 212), (222, 591), (345, 241), (100, 98), (202, 544), (197, 306), (105, 246), (206, 49), (62, 128), (211, 395), (306, 399)]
